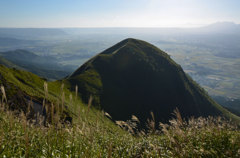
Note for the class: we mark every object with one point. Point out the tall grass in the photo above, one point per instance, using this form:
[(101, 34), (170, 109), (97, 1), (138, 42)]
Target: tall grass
[(91, 134)]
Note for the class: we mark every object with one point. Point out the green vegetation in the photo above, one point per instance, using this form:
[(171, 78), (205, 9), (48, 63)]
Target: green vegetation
[(134, 77), (25, 88)]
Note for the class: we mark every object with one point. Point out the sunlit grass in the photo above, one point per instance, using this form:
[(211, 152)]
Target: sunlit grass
[(91, 134)]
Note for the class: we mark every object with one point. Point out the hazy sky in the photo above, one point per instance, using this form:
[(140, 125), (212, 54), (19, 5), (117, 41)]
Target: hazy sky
[(117, 13)]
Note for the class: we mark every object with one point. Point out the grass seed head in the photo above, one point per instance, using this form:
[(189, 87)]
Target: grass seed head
[(4, 97)]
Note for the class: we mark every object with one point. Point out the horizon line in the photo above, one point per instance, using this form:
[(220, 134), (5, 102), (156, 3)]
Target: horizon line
[(118, 27)]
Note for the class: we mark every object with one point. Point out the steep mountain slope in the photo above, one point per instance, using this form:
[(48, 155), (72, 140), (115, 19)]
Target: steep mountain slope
[(134, 78)]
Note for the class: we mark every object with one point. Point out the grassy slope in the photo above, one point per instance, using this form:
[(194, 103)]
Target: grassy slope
[(32, 85), (87, 120), (97, 138), (93, 135), (128, 69)]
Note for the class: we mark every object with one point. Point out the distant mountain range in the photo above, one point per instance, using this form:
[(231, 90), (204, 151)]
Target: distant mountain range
[(218, 27), (221, 27), (45, 67), (134, 77), (38, 33)]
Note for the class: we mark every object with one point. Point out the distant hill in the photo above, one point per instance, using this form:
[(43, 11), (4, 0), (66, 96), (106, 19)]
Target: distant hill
[(23, 56), (221, 27), (8, 63), (134, 78), (43, 66)]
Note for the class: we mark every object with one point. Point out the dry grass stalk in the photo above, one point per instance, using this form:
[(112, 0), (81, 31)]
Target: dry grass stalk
[(83, 126), (97, 125), (26, 136), (57, 110), (108, 115), (71, 98), (46, 108), (134, 118), (151, 123), (52, 113), (177, 113), (30, 105), (62, 87), (63, 100), (126, 125), (110, 150), (4, 97), (164, 128), (76, 91), (121, 123), (102, 114), (26, 144), (46, 89), (90, 103), (44, 105), (153, 118)]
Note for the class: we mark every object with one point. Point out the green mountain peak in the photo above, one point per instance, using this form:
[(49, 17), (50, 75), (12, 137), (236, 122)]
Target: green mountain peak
[(134, 77)]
